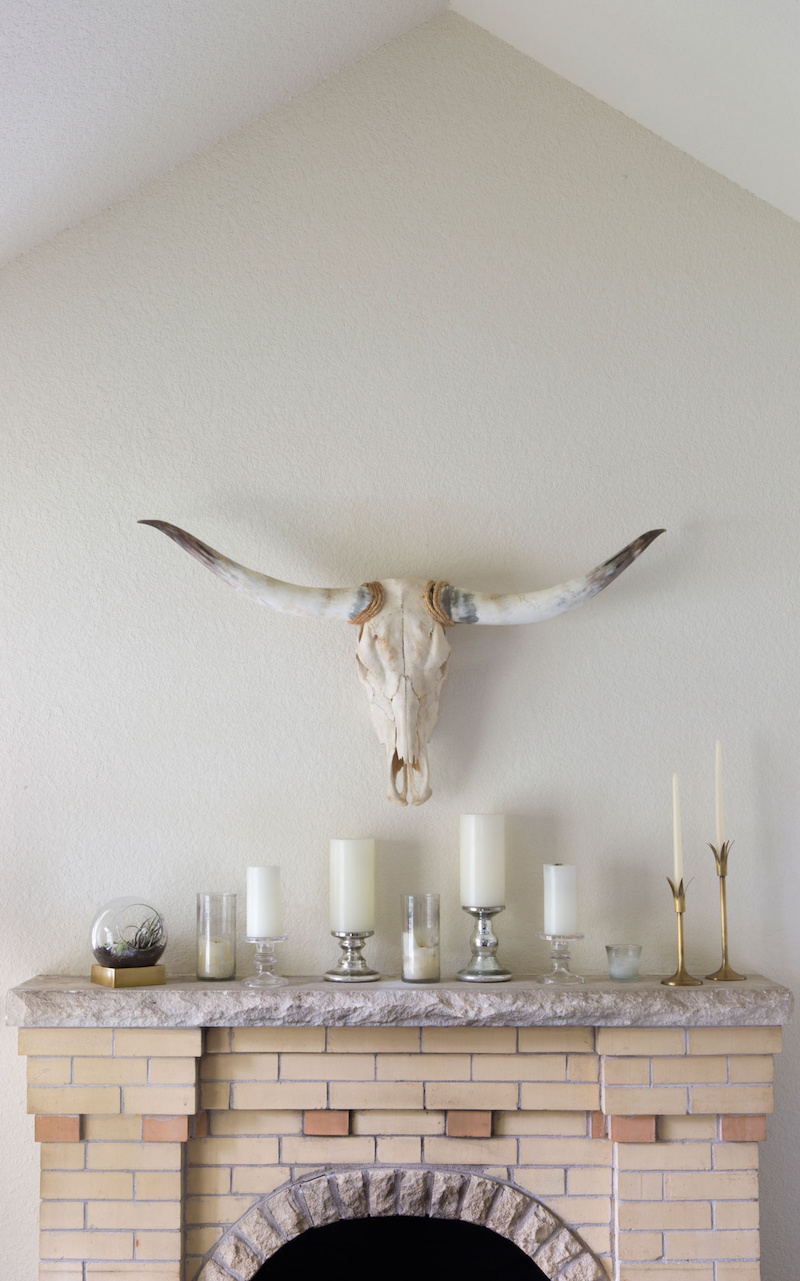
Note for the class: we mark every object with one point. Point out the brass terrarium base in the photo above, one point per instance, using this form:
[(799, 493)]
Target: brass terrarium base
[(133, 976)]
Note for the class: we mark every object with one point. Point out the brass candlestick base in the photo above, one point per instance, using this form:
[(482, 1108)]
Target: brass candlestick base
[(725, 974), (681, 977)]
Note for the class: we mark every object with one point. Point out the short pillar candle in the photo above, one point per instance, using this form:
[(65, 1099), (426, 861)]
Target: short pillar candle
[(560, 899), (264, 916)]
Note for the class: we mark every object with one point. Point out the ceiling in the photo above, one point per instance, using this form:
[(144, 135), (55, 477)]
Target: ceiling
[(97, 99), (718, 78)]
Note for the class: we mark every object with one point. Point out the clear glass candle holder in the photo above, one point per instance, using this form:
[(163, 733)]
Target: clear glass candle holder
[(420, 938), (216, 936), (623, 961)]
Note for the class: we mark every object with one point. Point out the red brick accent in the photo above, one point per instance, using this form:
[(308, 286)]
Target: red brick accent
[(57, 1129), (198, 1126), (165, 1129), (597, 1125), (328, 1122), (469, 1125), (743, 1129), (632, 1129)]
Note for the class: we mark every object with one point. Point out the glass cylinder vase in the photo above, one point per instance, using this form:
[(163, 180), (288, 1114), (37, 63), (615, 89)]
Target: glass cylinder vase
[(420, 938), (216, 936)]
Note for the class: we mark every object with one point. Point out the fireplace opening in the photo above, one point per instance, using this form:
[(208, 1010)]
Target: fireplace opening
[(400, 1247)]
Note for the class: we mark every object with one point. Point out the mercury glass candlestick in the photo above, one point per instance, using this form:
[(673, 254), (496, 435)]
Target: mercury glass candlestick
[(559, 955), (351, 966), (265, 962), (484, 966), (681, 977), (725, 973)]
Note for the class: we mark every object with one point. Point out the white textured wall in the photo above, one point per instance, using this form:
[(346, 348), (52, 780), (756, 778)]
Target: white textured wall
[(445, 315), (98, 99), (718, 79)]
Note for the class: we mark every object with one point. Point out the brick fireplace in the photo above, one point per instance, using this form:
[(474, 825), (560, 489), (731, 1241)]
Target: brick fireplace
[(191, 1131)]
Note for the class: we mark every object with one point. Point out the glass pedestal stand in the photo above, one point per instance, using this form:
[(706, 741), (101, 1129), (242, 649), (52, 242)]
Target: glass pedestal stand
[(351, 966), (559, 955), (265, 962), (483, 966)]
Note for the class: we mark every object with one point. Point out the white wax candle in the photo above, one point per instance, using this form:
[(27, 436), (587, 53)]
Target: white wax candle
[(420, 964), (677, 844), (718, 797), (264, 919), (483, 860), (560, 899), (352, 886), (215, 958)]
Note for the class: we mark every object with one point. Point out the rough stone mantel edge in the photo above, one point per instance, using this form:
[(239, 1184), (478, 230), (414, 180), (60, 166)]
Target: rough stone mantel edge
[(67, 1001)]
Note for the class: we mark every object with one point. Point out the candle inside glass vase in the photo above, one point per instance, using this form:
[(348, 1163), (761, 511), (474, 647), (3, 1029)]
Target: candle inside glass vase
[(420, 938), (216, 936)]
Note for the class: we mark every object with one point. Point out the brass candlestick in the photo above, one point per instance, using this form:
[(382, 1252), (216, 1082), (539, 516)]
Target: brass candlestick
[(681, 977), (725, 974)]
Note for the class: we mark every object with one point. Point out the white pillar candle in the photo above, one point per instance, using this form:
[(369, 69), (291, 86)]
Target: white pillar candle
[(264, 918), (352, 886), (214, 958), (420, 963), (677, 844), (560, 899), (718, 797), (483, 860)]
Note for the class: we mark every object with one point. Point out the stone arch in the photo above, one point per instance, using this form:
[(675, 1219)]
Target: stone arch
[(319, 1199)]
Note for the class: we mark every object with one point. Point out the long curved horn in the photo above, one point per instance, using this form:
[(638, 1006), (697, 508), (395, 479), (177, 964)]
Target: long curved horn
[(534, 607), (307, 602)]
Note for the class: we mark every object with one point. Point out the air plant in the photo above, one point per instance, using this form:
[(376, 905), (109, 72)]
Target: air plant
[(149, 935)]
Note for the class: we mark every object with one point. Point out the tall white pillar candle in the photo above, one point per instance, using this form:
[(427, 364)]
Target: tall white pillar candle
[(560, 899), (718, 797), (352, 886), (483, 860), (677, 843), (264, 917)]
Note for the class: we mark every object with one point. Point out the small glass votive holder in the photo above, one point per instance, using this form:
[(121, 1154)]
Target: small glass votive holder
[(420, 938), (623, 961), (216, 936)]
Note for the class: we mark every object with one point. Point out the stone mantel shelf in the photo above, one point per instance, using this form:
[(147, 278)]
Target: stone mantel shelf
[(68, 1001)]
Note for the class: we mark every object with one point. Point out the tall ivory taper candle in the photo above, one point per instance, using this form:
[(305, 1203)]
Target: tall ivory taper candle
[(677, 844), (718, 796)]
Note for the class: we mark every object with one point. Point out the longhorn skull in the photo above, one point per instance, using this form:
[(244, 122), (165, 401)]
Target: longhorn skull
[(402, 648)]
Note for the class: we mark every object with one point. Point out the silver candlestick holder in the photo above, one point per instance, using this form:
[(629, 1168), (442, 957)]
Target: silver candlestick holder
[(559, 955), (484, 966), (265, 962), (351, 966)]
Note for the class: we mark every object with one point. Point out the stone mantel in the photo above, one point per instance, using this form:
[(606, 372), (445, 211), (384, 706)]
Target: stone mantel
[(68, 1001)]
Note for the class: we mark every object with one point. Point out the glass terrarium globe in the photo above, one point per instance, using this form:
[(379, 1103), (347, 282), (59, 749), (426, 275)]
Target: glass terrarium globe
[(128, 933)]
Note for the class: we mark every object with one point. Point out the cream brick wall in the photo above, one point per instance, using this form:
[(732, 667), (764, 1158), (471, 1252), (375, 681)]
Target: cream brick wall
[(687, 1201)]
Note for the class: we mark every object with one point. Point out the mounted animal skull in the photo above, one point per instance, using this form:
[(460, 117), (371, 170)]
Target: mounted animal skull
[(402, 648)]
